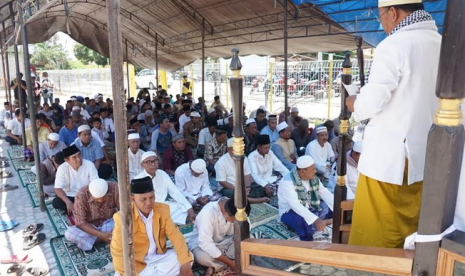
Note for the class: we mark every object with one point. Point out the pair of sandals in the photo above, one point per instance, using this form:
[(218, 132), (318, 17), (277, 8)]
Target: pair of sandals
[(7, 187), (4, 164), (20, 270), (32, 237), (4, 174)]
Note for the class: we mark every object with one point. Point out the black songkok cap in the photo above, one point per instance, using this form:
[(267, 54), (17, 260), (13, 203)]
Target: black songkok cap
[(272, 116), (142, 185), (217, 97), (263, 139), (6, 103), (220, 130), (232, 210), (70, 151), (133, 121), (103, 110), (186, 108)]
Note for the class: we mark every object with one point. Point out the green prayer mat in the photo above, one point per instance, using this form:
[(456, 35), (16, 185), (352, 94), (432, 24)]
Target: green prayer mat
[(33, 192), (273, 230), (59, 221), (16, 152), (27, 177), (21, 164), (262, 213)]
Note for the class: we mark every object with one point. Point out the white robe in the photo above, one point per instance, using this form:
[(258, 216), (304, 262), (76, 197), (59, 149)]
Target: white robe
[(190, 186), (134, 163), (262, 167), (320, 154)]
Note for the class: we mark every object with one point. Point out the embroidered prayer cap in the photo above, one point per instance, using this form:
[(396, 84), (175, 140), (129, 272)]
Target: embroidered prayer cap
[(220, 130), (134, 136), (198, 165), (295, 109), (195, 114), (282, 126), (148, 113), (176, 137), (357, 147), (141, 185), (211, 110), (232, 210), (70, 151), (146, 155), (388, 3), (249, 121), (263, 139), (304, 162), (230, 142), (76, 108), (321, 129), (98, 187), (54, 136), (83, 128)]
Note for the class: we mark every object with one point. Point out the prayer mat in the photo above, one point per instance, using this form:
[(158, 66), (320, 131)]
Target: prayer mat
[(273, 230), (33, 192), (21, 164), (261, 214), (27, 177), (59, 221), (72, 261), (199, 270), (16, 152), (310, 269)]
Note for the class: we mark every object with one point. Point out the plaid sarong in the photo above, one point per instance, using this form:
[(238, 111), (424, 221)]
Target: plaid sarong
[(83, 240)]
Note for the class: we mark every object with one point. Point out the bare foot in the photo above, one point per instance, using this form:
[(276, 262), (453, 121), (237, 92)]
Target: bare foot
[(258, 200), (210, 271)]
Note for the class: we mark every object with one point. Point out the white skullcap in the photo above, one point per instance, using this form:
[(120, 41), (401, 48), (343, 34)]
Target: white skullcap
[(357, 147), (387, 3), (212, 109), (98, 188), (294, 109), (146, 155), (321, 129), (304, 162), (195, 114), (54, 137), (74, 99), (198, 165), (220, 122), (281, 126), (230, 142), (249, 121), (262, 107), (148, 113), (82, 128), (134, 136), (76, 108)]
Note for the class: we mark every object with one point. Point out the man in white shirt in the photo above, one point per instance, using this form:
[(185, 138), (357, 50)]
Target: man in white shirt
[(262, 164), (107, 122), (214, 226), (193, 182), (14, 130), (3, 117), (134, 155), (205, 136), (184, 118), (180, 208), (72, 175), (321, 151), (51, 146), (352, 166), (305, 205)]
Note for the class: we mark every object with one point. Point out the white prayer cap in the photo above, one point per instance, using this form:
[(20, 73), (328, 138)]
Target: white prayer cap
[(198, 165), (281, 126), (230, 142), (249, 121), (134, 136), (76, 108), (195, 114), (82, 128), (98, 188), (212, 109), (54, 137), (387, 3), (262, 107), (220, 122), (148, 113), (74, 99), (294, 109), (304, 162), (357, 147), (146, 155), (321, 129)]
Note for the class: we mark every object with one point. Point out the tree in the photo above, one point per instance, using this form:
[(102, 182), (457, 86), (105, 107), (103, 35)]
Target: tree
[(50, 55), (87, 56)]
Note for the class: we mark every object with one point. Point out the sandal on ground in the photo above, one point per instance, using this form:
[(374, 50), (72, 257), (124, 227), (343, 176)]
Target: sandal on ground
[(7, 187), (15, 270), (15, 259), (6, 225), (32, 229), (33, 240), (35, 271), (3, 158), (4, 164), (6, 174)]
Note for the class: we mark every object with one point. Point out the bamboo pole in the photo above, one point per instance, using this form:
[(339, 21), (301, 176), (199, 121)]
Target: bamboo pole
[(121, 142)]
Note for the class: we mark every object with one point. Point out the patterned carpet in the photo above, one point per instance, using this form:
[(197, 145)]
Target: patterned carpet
[(33, 192), (261, 214), (59, 221), (16, 152), (21, 164), (27, 177)]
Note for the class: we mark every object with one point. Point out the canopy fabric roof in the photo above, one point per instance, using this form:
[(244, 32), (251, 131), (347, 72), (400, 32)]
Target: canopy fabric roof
[(175, 26)]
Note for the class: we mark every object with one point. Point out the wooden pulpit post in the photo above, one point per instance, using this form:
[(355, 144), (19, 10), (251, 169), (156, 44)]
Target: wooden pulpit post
[(340, 191), (445, 143), (360, 60), (241, 224)]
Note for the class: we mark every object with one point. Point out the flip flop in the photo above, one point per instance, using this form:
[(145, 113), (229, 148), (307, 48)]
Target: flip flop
[(15, 259), (7, 187), (32, 229), (15, 270), (33, 240), (7, 225), (35, 271), (5, 174), (3, 158), (4, 164)]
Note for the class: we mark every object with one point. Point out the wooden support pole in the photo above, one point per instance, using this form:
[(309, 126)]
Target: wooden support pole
[(156, 58), (203, 70), (340, 191), (285, 62), (241, 224), (32, 110), (127, 71), (7, 65), (5, 81), (121, 141), (445, 143)]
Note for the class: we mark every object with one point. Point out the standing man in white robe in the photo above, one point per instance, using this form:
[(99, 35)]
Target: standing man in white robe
[(134, 155), (320, 150)]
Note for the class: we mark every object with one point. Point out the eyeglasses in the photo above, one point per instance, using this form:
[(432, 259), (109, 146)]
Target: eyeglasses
[(151, 162), (381, 14)]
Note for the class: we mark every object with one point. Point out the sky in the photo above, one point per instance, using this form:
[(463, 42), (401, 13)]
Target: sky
[(68, 44)]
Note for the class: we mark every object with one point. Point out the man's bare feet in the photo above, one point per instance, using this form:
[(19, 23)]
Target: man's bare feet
[(258, 200), (210, 271)]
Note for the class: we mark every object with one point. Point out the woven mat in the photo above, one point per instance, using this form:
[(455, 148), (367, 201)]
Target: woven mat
[(21, 164), (33, 192), (59, 221), (262, 213), (27, 177), (16, 152)]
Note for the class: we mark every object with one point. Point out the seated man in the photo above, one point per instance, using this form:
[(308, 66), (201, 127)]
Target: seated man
[(191, 130), (321, 152), (162, 137), (152, 226), (48, 171), (14, 129), (305, 205), (250, 136), (134, 155), (214, 248), (94, 207), (192, 181), (262, 164), (185, 117), (4, 114), (215, 148), (98, 129), (205, 137), (176, 155), (92, 150), (71, 176), (51, 146), (284, 148), (143, 133), (270, 129), (179, 206), (226, 176), (68, 133)]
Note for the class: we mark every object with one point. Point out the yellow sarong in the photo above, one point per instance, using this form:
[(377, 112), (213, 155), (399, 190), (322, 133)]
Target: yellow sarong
[(385, 214)]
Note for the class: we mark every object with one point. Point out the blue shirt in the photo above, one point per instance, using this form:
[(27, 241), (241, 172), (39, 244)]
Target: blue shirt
[(161, 142), (68, 136), (92, 152), (274, 136)]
